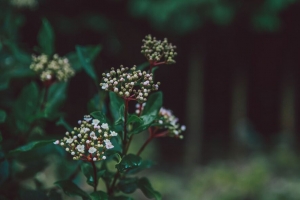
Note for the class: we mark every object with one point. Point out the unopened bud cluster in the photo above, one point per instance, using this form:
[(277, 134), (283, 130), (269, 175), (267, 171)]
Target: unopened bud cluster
[(157, 50), (89, 141), (129, 83), (57, 68)]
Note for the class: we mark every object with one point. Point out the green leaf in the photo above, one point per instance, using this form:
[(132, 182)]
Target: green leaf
[(30, 146), (146, 164), (129, 162), (97, 102), (71, 189), (85, 59), (147, 189), (133, 118), (25, 107), (2, 116), (115, 103), (57, 95), (99, 195), (46, 38), (4, 168), (142, 66), (99, 115), (63, 123), (87, 170), (154, 103), (128, 185), (120, 198)]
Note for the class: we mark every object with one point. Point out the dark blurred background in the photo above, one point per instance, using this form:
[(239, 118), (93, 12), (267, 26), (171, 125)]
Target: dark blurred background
[(234, 85)]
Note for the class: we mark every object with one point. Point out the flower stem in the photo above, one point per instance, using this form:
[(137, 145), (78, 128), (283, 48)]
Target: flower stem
[(146, 142), (95, 176)]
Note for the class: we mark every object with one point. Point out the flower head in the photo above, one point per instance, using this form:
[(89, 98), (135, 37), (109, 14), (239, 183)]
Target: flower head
[(51, 69), (167, 122), (158, 51), (87, 142), (129, 83)]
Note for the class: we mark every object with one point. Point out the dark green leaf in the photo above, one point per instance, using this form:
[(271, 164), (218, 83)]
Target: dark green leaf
[(46, 38), (115, 103), (74, 61), (4, 168), (120, 198), (113, 154), (32, 194), (87, 170), (2, 116), (63, 123), (128, 185), (85, 58), (97, 102), (30, 146), (133, 118), (56, 96), (71, 189), (154, 103), (129, 162), (99, 195), (100, 116), (147, 189), (143, 66), (146, 164)]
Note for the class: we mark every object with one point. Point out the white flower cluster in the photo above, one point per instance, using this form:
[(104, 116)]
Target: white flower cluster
[(157, 50), (167, 121), (24, 3), (56, 68), (170, 122), (88, 142), (129, 83)]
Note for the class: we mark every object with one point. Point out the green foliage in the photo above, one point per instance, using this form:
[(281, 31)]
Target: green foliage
[(129, 162), (86, 57), (147, 189), (29, 147), (71, 189), (99, 195), (46, 38), (2, 116), (115, 104)]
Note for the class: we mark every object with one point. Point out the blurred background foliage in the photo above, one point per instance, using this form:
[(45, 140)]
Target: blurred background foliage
[(234, 85)]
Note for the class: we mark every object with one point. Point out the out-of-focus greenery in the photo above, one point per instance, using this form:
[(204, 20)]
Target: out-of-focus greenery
[(272, 176), (183, 16)]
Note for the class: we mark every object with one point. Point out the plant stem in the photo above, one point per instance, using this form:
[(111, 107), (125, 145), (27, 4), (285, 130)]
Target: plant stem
[(147, 142), (95, 176), (111, 189)]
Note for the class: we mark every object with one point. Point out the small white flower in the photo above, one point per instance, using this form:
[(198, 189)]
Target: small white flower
[(146, 83), (95, 122), (92, 134), (113, 133), (85, 130), (72, 153), (103, 157), (56, 142), (116, 90), (87, 141), (94, 159), (80, 148), (62, 144), (92, 150), (104, 86), (176, 132), (79, 121), (74, 137), (70, 140), (108, 75), (108, 144), (87, 118), (183, 127), (104, 126), (160, 121), (105, 135)]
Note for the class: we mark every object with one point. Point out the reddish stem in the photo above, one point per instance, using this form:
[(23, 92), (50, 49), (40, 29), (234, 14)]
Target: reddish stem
[(95, 175)]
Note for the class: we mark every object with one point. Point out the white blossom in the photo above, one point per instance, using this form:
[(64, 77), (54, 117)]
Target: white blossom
[(92, 150), (80, 148), (95, 122), (70, 140), (108, 144), (104, 126), (113, 133)]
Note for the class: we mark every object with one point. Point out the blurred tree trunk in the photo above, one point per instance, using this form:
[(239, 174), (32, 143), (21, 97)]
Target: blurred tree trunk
[(194, 111)]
